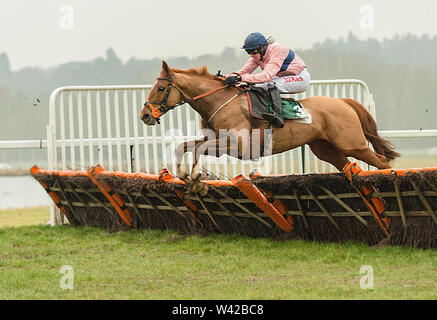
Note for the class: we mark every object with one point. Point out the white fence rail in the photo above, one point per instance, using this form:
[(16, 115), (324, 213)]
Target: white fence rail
[(408, 133), (42, 144), (23, 144), (100, 124)]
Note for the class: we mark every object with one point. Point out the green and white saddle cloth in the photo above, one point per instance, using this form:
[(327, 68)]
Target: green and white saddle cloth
[(291, 109)]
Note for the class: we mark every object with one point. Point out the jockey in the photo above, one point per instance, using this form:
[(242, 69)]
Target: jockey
[(283, 71)]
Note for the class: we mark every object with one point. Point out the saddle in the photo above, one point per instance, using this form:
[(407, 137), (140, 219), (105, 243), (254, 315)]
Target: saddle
[(260, 102)]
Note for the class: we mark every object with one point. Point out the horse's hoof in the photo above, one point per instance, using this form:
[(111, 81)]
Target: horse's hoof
[(200, 188), (204, 191), (197, 187), (182, 175), (195, 177)]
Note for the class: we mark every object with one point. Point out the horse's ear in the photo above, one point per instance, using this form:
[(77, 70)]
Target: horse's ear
[(165, 68)]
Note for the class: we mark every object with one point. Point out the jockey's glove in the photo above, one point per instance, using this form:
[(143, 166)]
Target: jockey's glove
[(232, 80)]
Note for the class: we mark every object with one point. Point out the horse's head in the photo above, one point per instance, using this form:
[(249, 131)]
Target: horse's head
[(161, 97)]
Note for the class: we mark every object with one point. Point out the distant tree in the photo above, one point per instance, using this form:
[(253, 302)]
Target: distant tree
[(112, 58), (5, 68), (401, 72)]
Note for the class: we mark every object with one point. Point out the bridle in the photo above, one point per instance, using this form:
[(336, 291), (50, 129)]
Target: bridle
[(157, 112), (162, 108)]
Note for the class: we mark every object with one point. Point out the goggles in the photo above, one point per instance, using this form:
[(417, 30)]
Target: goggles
[(253, 51)]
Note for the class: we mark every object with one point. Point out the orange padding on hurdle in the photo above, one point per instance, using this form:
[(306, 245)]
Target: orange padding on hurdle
[(399, 172), (387, 172), (61, 173), (116, 200), (136, 175), (376, 205), (35, 170), (277, 203), (215, 183), (257, 197)]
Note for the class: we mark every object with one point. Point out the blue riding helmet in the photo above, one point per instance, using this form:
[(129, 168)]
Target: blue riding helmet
[(254, 41)]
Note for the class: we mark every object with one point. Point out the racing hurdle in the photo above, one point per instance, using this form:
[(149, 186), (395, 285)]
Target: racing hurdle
[(318, 207), (91, 125)]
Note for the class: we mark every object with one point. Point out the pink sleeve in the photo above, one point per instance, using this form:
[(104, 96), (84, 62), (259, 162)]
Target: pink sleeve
[(248, 68), (271, 68)]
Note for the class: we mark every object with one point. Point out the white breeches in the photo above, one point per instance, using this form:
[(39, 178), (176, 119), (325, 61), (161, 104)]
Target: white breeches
[(289, 84)]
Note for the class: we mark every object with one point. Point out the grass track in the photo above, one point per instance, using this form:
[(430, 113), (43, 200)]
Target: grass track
[(164, 265), (24, 216)]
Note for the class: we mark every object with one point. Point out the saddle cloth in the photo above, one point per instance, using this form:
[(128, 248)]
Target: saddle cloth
[(260, 102)]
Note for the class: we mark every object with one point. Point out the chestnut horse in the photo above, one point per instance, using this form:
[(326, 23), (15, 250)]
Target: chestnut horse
[(340, 128)]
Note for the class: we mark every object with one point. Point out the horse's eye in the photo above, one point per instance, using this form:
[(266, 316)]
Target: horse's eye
[(161, 89)]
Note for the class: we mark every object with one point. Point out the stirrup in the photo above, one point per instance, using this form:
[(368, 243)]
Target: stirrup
[(267, 116), (273, 119)]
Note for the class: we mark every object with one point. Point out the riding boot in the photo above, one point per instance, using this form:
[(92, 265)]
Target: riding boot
[(276, 118)]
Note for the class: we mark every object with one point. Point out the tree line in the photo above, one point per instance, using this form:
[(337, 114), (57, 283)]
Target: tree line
[(400, 72)]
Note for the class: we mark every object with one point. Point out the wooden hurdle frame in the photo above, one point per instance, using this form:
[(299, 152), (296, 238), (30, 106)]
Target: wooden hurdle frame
[(228, 208)]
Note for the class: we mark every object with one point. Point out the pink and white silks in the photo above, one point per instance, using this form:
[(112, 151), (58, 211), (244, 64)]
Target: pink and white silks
[(295, 79)]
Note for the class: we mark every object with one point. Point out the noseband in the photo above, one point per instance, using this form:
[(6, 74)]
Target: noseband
[(162, 108)]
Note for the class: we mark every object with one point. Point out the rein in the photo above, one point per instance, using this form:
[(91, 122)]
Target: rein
[(157, 112), (220, 108), (207, 93)]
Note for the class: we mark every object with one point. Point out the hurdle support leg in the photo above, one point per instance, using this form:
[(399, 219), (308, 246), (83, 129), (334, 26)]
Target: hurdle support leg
[(376, 205), (260, 200), (114, 198), (277, 203), (56, 199)]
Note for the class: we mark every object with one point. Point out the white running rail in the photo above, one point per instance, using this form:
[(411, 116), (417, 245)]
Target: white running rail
[(100, 125)]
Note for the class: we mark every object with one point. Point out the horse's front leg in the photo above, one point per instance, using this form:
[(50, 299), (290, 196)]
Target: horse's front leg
[(183, 148), (238, 146), (203, 146), (226, 144), (211, 147)]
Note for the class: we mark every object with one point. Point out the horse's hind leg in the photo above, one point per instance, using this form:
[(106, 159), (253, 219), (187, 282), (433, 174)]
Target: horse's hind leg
[(327, 152), (370, 157)]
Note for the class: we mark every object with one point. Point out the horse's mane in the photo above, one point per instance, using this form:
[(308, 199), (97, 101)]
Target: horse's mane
[(201, 71)]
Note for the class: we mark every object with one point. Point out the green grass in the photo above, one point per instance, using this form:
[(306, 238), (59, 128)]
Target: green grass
[(24, 216), (154, 264)]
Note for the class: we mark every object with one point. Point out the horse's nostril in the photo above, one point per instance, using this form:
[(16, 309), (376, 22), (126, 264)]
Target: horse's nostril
[(146, 116)]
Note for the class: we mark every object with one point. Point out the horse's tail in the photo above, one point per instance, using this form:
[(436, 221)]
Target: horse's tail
[(380, 145)]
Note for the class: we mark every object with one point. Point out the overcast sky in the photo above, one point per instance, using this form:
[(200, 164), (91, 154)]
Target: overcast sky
[(49, 32)]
